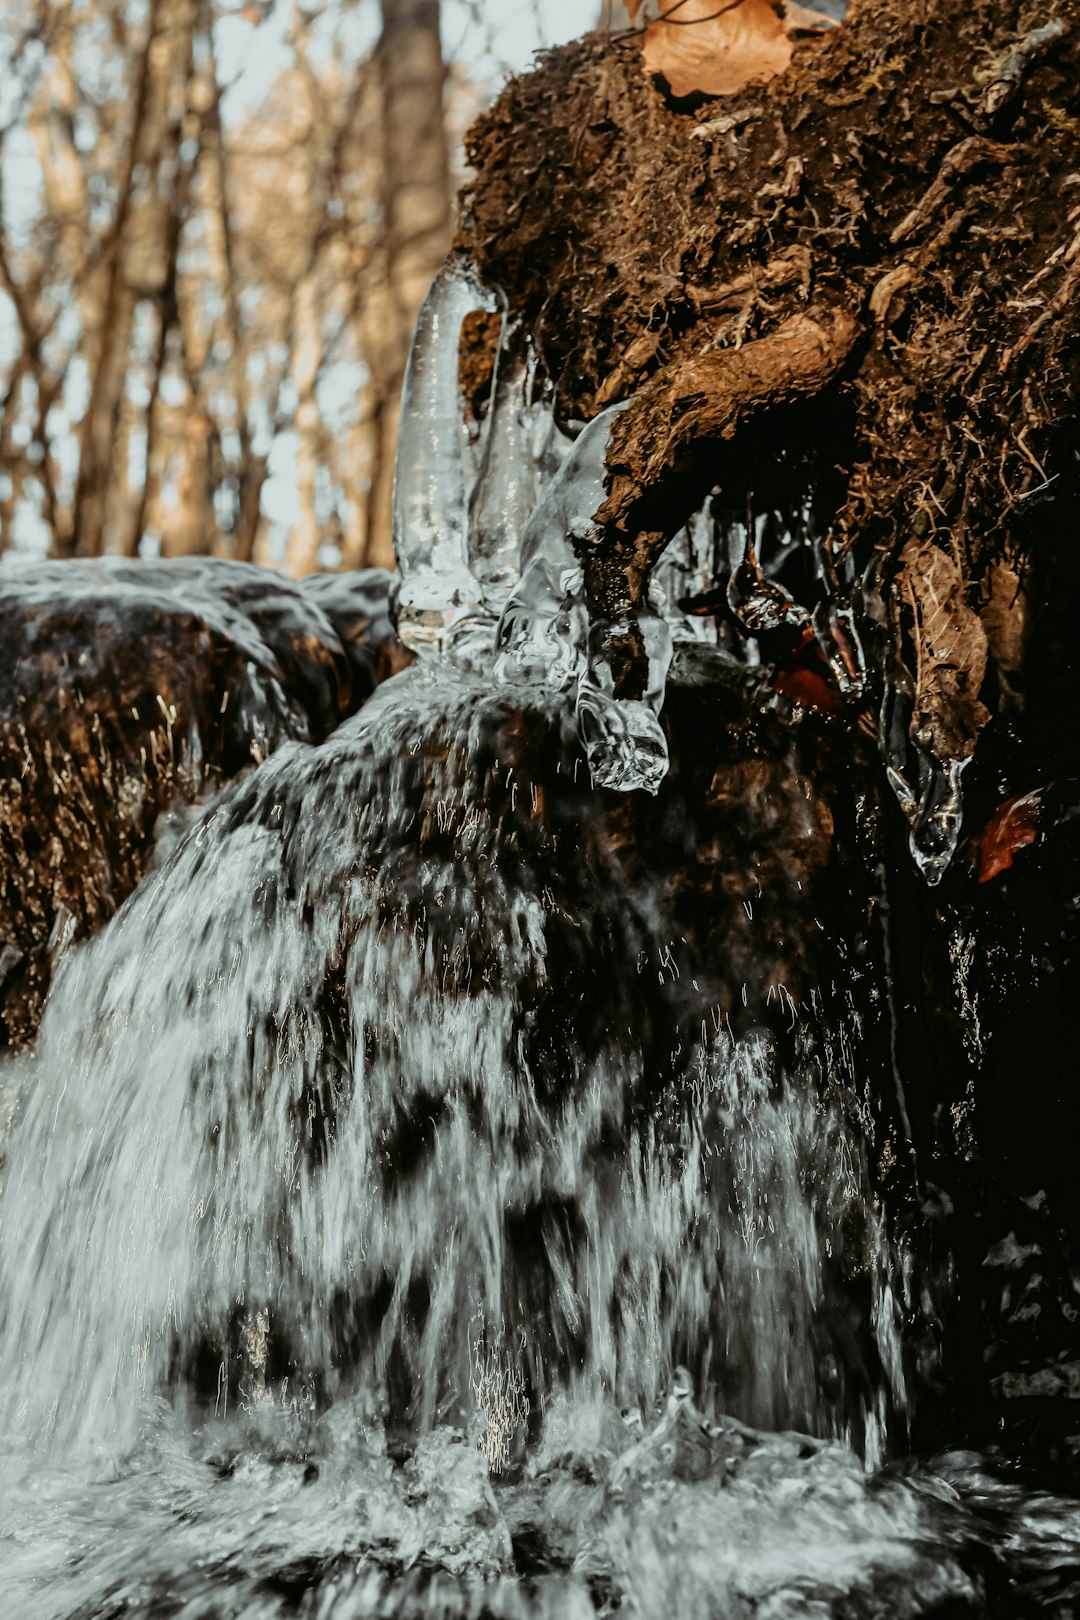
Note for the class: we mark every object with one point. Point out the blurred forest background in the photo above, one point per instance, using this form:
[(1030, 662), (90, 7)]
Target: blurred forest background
[(217, 221)]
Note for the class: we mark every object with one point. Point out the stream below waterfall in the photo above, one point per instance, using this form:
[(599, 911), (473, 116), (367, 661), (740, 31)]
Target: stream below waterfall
[(407, 1211)]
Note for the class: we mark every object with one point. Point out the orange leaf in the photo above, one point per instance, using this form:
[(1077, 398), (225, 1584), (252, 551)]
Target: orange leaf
[(808, 689), (719, 47), (1013, 826)]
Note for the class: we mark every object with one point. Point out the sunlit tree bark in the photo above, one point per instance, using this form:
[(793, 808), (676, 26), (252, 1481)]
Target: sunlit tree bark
[(416, 215), (202, 303)]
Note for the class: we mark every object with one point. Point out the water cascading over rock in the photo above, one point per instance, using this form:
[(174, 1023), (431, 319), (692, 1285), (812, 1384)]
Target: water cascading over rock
[(375, 1060), (435, 1112)]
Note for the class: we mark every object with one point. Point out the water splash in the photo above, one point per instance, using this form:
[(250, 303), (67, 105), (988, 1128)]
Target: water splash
[(673, 1514)]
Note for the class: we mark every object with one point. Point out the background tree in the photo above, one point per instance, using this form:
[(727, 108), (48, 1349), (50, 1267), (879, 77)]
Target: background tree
[(206, 305)]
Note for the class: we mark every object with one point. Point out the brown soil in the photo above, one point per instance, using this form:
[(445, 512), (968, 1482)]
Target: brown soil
[(904, 175)]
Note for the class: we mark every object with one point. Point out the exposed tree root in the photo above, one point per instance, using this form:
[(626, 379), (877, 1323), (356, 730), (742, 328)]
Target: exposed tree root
[(707, 398), (915, 163), (875, 259)]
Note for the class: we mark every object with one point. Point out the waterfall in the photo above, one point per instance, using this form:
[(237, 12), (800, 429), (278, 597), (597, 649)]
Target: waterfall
[(305, 1078), (393, 1139)]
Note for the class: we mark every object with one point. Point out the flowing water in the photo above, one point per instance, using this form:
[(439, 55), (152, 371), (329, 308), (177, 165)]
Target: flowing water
[(394, 1219)]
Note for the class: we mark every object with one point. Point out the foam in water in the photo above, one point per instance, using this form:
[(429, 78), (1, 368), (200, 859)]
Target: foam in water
[(685, 1518)]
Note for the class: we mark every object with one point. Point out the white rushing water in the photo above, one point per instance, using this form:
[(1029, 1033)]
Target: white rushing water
[(298, 1192), (348, 952), (354, 1240)]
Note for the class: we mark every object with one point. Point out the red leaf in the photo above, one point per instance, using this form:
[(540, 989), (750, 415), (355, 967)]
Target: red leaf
[(808, 689), (1013, 826)]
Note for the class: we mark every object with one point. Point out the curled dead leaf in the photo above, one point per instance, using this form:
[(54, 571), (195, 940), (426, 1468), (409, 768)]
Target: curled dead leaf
[(1004, 612), (950, 652), (718, 47)]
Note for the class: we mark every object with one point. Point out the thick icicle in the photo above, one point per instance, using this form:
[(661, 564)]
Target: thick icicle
[(546, 636), (460, 561), (439, 596), (509, 481)]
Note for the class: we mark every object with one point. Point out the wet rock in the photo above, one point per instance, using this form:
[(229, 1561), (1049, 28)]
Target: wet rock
[(358, 605), (127, 688), (430, 943)]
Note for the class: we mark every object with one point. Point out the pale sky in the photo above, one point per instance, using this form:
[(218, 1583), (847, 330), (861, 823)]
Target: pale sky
[(490, 38), (515, 29)]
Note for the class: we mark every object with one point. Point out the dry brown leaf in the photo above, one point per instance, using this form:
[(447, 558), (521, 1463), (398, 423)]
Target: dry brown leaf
[(718, 47), (1004, 613), (950, 653)]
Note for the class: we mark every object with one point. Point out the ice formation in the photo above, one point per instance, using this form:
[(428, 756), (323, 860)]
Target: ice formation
[(494, 577)]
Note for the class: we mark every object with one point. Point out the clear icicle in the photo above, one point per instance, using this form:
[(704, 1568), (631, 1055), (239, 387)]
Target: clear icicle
[(937, 813), (509, 481), (553, 445), (934, 806), (546, 635), (463, 561), (838, 637), (760, 603), (438, 597)]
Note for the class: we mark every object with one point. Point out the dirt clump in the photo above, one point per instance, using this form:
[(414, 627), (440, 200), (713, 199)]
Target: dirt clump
[(915, 172)]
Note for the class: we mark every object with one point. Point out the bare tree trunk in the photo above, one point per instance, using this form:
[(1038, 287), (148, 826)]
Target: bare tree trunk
[(220, 231), (138, 234), (303, 551), (416, 231)]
